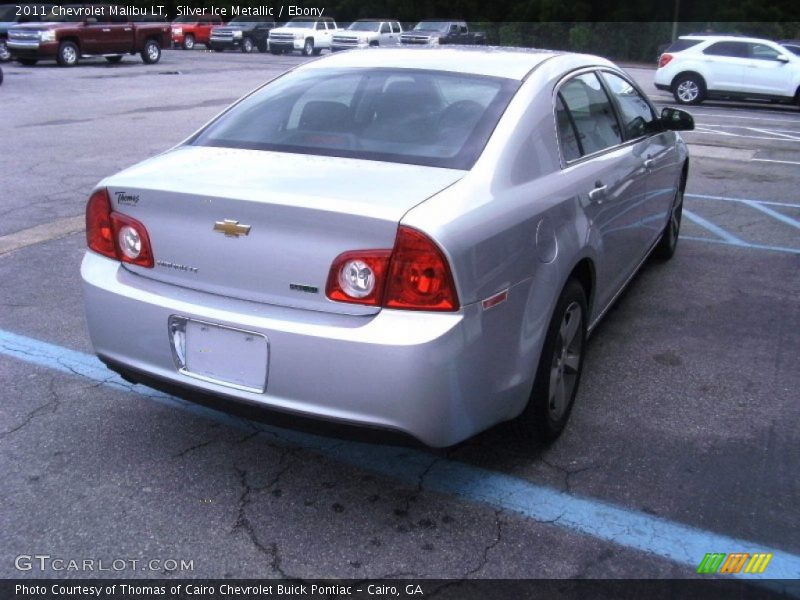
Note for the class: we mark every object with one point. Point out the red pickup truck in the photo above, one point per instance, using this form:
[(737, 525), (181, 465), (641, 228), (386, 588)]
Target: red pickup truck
[(189, 30), (70, 32)]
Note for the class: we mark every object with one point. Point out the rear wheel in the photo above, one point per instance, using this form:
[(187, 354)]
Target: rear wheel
[(114, 59), (151, 53), (188, 42), (689, 89), (247, 45), (308, 47), (559, 369), (68, 54), (669, 239)]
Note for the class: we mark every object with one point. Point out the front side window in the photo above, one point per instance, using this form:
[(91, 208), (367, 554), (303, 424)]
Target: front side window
[(385, 28), (635, 111), (591, 114), (763, 52), (411, 116)]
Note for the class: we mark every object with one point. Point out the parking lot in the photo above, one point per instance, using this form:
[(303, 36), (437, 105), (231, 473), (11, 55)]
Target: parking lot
[(684, 439)]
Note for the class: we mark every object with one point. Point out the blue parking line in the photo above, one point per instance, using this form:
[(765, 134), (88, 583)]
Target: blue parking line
[(715, 229), (774, 214), (602, 520)]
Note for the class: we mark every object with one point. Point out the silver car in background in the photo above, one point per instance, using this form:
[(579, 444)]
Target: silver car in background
[(366, 33), (411, 239)]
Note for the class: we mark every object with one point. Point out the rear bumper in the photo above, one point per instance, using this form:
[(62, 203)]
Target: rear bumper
[(428, 375)]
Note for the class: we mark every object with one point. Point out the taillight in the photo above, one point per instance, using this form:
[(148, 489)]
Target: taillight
[(664, 60), (99, 235), (414, 275), (116, 235)]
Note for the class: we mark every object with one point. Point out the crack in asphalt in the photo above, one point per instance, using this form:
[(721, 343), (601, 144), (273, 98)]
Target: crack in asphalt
[(48, 407), (490, 546)]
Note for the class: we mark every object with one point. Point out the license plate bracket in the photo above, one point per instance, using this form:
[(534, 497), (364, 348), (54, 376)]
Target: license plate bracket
[(220, 354)]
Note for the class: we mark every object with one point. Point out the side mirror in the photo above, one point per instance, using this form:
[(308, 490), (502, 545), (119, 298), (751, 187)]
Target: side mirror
[(676, 119), (782, 58)]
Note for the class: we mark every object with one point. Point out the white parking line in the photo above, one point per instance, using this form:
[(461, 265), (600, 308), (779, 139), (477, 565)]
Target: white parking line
[(773, 160)]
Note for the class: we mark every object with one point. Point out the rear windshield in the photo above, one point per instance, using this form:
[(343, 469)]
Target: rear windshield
[(409, 116), (679, 45)]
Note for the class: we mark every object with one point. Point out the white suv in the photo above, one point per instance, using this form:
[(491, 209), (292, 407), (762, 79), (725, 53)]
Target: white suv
[(697, 67)]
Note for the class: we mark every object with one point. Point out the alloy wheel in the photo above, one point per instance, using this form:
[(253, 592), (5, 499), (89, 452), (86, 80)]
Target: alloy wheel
[(688, 91), (565, 366)]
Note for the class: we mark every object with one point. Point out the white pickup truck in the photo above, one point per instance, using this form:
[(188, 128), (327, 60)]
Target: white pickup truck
[(368, 32), (309, 35)]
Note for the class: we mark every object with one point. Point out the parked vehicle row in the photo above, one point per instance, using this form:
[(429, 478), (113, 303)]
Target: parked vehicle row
[(697, 67)]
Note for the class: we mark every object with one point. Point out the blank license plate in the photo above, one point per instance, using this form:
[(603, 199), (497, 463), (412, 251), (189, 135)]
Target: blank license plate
[(225, 355)]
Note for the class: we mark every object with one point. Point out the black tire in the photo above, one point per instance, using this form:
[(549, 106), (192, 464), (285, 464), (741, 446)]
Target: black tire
[(308, 47), (545, 416), (188, 42), (68, 54), (151, 53), (5, 55), (28, 62), (666, 247), (247, 45), (317, 51), (262, 47), (689, 89), (114, 59), (1, 76)]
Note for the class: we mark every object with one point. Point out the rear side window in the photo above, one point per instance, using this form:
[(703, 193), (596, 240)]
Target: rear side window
[(679, 45), (732, 49), (589, 111), (793, 49), (396, 27)]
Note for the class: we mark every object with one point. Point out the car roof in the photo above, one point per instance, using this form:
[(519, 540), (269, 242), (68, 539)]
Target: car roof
[(716, 37), (510, 63)]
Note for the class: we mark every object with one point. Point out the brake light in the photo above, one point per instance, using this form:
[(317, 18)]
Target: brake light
[(115, 235), (99, 235), (663, 61), (414, 275), (419, 276)]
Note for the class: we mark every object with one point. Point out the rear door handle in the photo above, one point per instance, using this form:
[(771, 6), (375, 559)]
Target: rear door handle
[(598, 193), (648, 163)]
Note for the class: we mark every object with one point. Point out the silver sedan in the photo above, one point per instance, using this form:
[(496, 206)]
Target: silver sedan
[(411, 239)]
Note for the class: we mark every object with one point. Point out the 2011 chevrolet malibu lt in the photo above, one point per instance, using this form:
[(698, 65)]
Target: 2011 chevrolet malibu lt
[(411, 239)]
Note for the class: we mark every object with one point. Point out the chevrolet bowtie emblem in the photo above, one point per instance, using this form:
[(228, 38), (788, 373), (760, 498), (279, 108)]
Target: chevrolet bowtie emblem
[(231, 228)]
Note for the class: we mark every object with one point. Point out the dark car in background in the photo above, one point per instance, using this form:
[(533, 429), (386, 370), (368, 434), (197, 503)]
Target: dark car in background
[(242, 33), (434, 32), (13, 14)]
